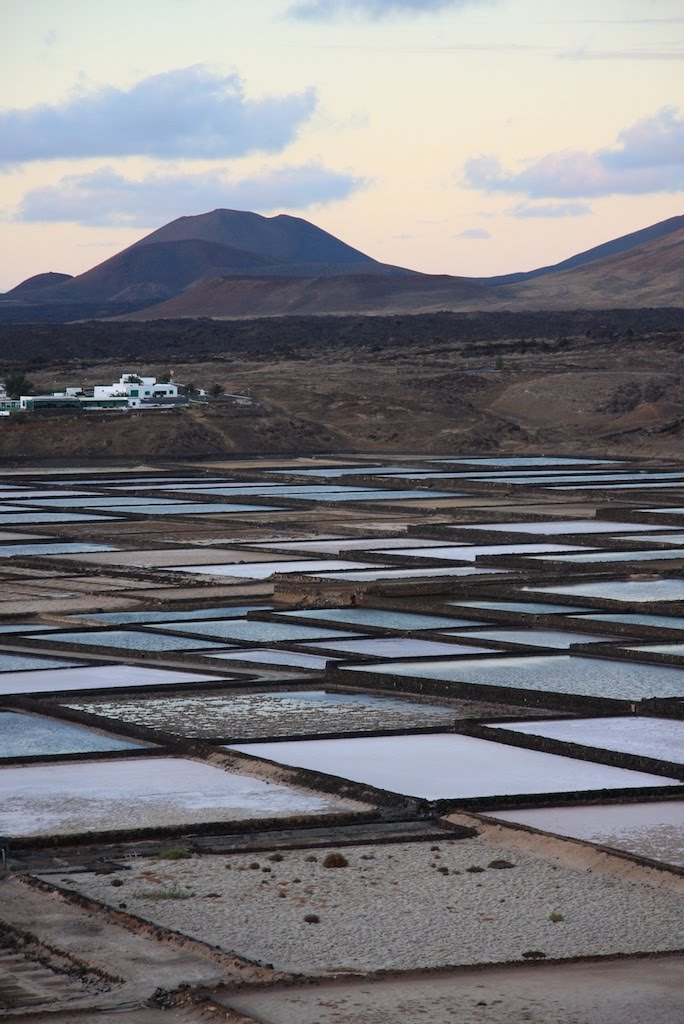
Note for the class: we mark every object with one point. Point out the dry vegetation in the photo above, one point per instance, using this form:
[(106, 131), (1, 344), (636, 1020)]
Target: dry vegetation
[(435, 384)]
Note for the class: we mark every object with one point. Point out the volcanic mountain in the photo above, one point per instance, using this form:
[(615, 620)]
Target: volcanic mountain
[(230, 263)]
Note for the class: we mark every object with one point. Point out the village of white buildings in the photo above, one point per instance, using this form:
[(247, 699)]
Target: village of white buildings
[(131, 391)]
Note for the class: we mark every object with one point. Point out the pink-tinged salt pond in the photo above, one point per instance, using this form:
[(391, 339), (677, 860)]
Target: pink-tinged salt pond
[(109, 795), (99, 677), (660, 738), (445, 766), (654, 830)]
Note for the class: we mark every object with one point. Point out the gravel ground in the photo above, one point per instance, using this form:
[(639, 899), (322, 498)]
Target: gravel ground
[(404, 906), (305, 713)]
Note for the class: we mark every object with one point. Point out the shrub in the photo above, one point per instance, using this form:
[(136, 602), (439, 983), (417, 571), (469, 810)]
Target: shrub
[(275, 857), (474, 869), (311, 918), (311, 858), (174, 853), (555, 917), (335, 860), (500, 864)]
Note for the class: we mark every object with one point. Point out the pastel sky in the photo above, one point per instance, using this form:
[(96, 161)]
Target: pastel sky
[(472, 137)]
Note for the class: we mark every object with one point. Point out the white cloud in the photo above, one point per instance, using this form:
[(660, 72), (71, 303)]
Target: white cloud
[(474, 233), (188, 112), (105, 197), (647, 157), (527, 210), (327, 10)]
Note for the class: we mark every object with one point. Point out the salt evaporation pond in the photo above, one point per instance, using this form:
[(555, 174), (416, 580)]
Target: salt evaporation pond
[(52, 517), (190, 508), (654, 555), (677, 650), (660, 538), (334, 546), (24, 735), (124, 618), (526, 607), (657, 621), (654, 830), (264, 656), (470, 552), (534, 637), (59, 799), (10, 550), (97, 677), (400, 574), (381, 619), (660, 738), (262, 570), (529, 460), (627, 591), (129, 640), (257, 632), (279, 713), (569, 526), (24, 662), (445, 766), (553, 673), (397, 647)]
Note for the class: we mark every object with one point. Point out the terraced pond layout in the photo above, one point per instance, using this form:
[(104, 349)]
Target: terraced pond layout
[(267, 725)]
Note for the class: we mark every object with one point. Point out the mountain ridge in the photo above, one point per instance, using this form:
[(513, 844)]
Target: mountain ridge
[(229, 263)]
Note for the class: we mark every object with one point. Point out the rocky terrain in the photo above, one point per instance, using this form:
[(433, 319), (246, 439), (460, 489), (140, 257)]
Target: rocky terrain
[(434, 384)]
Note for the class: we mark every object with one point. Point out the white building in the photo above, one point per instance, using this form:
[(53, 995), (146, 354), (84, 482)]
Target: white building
[(140, 391)]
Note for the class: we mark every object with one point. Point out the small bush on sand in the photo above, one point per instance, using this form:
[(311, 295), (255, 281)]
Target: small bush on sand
[(500, 864), (275, 857), (555, 917), (474, 869), (335, 860), (311, 918), (174, 853)]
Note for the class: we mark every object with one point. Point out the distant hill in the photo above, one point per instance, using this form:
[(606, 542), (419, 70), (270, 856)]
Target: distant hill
[(33, 287), (612, 248), (354, 293), (651, 274)]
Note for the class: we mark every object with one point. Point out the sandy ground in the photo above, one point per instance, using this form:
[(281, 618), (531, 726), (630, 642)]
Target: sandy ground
[(406, 906), (616, 992)]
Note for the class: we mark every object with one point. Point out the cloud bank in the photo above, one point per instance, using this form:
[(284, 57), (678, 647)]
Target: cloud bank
[(189, 112), (106, 198), (648, 157), (327, 10)]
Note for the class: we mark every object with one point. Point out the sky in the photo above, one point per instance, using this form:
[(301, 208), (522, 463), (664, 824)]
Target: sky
[(467, 137)]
